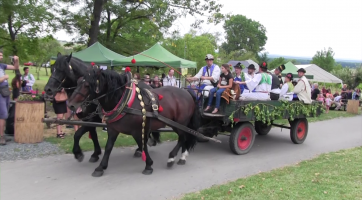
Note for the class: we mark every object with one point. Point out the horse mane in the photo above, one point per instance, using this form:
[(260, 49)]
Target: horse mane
[(109, 81)]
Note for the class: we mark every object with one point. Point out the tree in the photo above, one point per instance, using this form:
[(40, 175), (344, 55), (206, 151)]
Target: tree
[(22, 21), (349, 76), (192, 46), (276, 62), (324, 59), (263, 57), (43, 49), (243, 34), (109, 17)]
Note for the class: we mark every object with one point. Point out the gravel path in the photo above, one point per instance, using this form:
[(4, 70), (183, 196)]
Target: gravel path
[(15, 151)]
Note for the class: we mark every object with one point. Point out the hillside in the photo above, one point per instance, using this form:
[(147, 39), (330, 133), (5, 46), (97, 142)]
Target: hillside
[(305, 60)]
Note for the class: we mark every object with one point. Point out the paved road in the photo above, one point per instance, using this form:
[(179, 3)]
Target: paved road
[(62, 178)]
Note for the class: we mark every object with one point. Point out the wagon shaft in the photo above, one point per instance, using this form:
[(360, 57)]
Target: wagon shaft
[(72, 122)]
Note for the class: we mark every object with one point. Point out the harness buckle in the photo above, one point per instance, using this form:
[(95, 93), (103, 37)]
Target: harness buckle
[(154, 107)]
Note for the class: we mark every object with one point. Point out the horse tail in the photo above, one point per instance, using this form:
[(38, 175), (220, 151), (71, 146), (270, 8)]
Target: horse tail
[(194, 124)]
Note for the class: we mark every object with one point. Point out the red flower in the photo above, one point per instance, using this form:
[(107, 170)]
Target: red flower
[(43, 92), (92, 63), (128, 69), (264, 64), (133, 61)]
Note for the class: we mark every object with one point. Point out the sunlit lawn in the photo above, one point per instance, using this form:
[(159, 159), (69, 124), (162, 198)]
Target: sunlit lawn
[(335, 175)]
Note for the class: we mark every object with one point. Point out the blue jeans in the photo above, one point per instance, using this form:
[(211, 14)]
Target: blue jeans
[(218, 96)]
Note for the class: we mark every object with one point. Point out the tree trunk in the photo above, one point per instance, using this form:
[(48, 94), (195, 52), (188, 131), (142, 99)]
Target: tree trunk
[(12, 34), (96, 17)]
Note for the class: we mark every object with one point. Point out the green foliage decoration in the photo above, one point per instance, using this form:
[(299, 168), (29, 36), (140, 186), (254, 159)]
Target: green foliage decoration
[(266, 113), (28, 97)]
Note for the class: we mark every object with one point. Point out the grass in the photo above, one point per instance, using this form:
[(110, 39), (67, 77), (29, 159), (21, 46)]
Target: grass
[(87, 145), (43, 79), (335, 175)]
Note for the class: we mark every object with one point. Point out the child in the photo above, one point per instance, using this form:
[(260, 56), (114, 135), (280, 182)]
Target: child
[(328, 102), (320, 98), (225, 81)]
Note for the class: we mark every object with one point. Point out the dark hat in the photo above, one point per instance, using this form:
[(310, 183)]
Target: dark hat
[(290, 76), (238, 65), (264, 65), (281, 68), (301, 70), (251, 66)]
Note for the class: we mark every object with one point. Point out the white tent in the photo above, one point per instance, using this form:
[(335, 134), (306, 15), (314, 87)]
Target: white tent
[(320, 75)]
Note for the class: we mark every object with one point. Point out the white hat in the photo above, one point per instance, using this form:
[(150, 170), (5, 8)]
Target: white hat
[(209, 57)]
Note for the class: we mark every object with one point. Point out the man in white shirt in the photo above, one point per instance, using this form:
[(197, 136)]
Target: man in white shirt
[(170, 80), (208, 75), (303, 89), (28, 79), (261, 82), (337, 101)]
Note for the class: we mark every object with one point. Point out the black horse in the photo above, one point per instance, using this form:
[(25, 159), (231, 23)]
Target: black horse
[(65, 73), (116, 93)]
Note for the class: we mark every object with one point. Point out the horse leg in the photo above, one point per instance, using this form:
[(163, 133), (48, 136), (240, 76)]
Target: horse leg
[(184, 154), (173, 153), (77, 151), (112, 137), (97, 148), (189, 143)]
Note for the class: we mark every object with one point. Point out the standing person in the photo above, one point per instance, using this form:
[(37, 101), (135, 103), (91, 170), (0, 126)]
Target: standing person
[(208, 76), (303, 89), (356, 94), (28, 80), (16, 85), (315, 92), (60, 109), (225, 81), (156, 83), (146, 79), (5, 94), (328, 102), (170, 80), (137, 76)]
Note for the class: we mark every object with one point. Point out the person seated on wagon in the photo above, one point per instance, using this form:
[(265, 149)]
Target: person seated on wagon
[(247, 76), (239, 76), (286, 93), (276, 83), (208, 75), (225, 81), (278, 73), (261, 83), (303, 89)]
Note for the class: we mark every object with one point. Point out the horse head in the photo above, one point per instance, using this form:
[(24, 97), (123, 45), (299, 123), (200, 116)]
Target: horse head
[(97, 84), (64, 73)]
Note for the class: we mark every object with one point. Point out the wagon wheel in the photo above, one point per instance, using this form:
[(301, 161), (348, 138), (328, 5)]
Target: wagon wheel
[(262, 128), (298, 130), (242, 138)]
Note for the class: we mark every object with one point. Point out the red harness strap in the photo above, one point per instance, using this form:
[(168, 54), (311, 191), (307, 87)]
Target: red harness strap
[(129, 104)]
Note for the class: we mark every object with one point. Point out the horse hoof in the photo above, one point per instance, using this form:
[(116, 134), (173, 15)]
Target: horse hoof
[(93, 159), (97, 173), (151, 142), (170, 164), (181, 162), (137, 154), (147, 171), (79, 157)]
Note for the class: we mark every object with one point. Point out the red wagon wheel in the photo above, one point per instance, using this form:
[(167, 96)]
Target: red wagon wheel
[(299, 130), (242, 138)]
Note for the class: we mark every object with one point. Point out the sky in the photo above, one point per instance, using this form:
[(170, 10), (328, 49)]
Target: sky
[(295, 28)]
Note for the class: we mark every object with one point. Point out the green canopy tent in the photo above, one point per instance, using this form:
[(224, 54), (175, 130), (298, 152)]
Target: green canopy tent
[(98, 54), (159, 53), (291, 68)]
